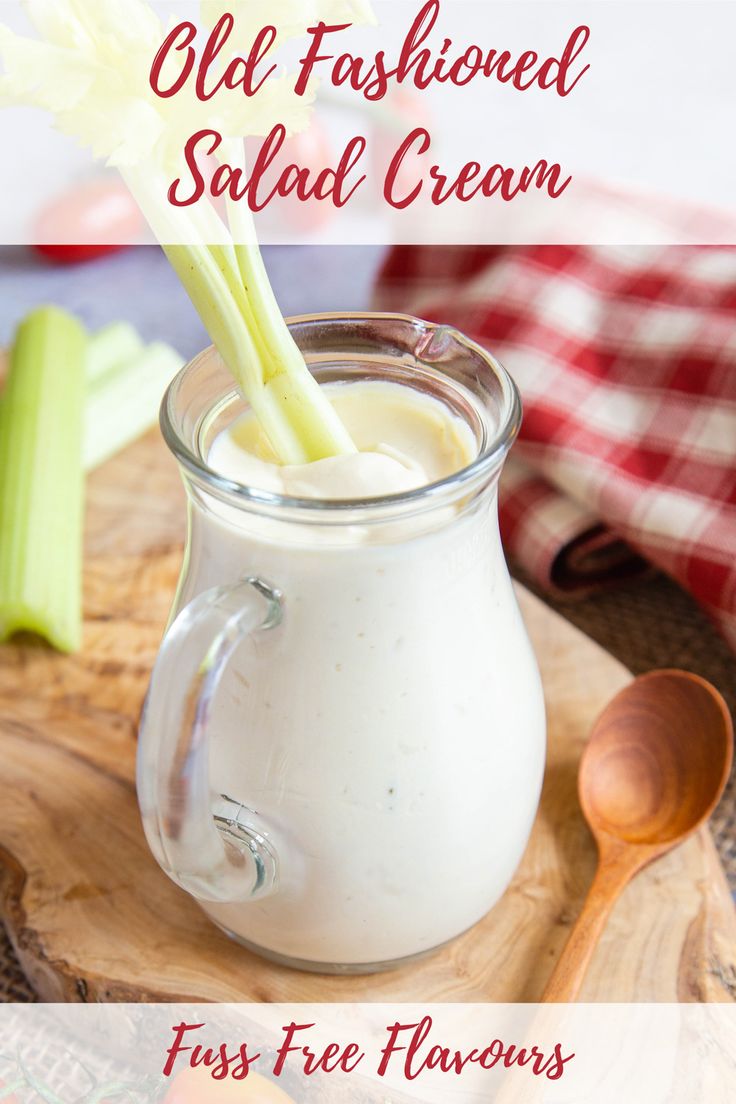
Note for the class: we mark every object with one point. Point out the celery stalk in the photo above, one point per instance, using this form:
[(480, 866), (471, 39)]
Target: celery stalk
[(125, 403), (259, 350), (41, 480), (113, 345), (293, 397), (231, 292), (101, 61)]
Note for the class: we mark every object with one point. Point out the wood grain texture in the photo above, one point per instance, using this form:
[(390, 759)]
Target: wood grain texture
[(93, 918), (652, 772)]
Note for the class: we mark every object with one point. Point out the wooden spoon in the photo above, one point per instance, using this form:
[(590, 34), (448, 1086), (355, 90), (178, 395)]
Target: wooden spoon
[(654, 770)]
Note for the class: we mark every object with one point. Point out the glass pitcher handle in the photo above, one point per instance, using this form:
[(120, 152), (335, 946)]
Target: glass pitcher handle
[(209, 844)]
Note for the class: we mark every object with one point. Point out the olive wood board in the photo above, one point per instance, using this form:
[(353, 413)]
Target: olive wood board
[(91, 916)]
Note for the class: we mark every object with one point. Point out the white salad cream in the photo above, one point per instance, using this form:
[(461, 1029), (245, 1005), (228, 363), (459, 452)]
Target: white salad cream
[(390, 732), (406, 440)]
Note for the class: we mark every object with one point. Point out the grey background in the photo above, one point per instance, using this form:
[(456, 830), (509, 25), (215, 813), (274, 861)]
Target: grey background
[(138, 285)]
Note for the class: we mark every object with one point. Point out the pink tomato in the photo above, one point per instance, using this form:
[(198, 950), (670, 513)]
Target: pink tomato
[(95, 218)]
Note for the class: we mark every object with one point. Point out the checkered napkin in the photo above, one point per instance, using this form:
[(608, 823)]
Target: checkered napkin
[(626, 360)]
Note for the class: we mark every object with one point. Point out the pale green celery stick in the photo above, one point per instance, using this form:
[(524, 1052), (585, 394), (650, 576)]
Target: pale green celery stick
[(291, 396), (113, 345), (229, 288), (42, 481), (213, 287), (292, 393), (125, 403)]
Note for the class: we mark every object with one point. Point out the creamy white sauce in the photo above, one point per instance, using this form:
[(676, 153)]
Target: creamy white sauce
[(405, 440), (390, 732)]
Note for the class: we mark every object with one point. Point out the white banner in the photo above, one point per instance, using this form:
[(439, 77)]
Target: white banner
[(415, 121), (387, 1054)]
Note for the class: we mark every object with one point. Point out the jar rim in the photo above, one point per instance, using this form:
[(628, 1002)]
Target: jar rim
[(427, 335)]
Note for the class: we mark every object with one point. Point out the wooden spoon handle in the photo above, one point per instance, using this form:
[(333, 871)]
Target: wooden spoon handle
[(569, 973)]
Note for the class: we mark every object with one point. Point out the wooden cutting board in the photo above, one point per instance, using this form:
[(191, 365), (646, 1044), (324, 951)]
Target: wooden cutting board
[(92, 917)]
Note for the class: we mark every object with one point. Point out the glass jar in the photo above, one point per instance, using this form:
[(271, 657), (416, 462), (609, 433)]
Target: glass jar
[(342, 748)]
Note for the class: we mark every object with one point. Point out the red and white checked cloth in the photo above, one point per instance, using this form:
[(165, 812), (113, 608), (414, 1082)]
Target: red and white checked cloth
[(626, 360)]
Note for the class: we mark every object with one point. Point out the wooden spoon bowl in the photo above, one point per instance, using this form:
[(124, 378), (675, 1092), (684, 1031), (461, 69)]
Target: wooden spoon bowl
[(657, 760)]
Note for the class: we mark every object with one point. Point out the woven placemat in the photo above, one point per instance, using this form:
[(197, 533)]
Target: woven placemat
[(13, 983), (646, 624)]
